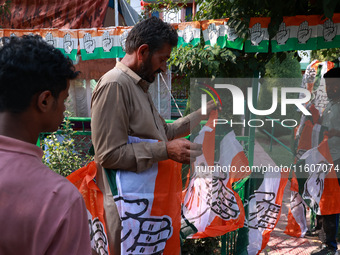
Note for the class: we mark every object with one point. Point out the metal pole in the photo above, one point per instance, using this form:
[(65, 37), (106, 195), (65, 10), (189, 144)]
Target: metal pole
[(116, 19), (159, 94)]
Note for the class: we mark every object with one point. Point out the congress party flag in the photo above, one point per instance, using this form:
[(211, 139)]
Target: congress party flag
[(89, 42), (119, 38), (51, 36), (318, 183), (68, 43), (297, 33), (211, 207), (214, 32), (112, 41), (83, 179), (297, 222), (189, 33), (149, 206), (264, 208), (329, 33), (258, 39), (233, 41)]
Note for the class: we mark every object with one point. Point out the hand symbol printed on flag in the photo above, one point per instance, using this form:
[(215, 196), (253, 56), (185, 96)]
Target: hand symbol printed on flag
[(89, 43), (107, 41), (188, 34), (51, 40), (329, 30), (68, 44), (99, 241), (231, 34), (213, 34), (123, 38), (256, 34), (282, 35), (304, 32), (142, 235)]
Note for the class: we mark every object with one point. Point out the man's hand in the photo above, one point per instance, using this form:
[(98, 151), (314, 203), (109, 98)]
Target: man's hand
[(183, 151)]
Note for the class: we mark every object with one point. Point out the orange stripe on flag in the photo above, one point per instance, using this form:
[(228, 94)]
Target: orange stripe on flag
[(263, 21), (167, 200), (313, 20), (193, 24), (205, 23)]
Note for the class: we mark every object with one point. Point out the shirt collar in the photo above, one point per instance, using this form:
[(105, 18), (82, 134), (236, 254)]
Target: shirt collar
[(135, 77), (18, 146)]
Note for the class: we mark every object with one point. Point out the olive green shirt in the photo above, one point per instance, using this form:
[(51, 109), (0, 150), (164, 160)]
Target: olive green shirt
[(122, 107)]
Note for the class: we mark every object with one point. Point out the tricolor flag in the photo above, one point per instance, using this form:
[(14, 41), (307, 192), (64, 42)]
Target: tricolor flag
[(106, 42), (264, 208), (214, 32), (329, 33), (313, 81), (90, 43), (51, 36), (258, 39), (68, 43), (233, 40), (211, 207), (119, 38), (297, 223), (149, 206), (83, 179), (318, 183), (189, 33), (297, 33)]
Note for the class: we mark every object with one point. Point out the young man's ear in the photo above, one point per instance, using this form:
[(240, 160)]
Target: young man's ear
[(143, 52), (45, 100)]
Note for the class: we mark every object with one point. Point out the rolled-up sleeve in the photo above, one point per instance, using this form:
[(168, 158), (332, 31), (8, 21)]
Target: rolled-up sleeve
[(110, 130)]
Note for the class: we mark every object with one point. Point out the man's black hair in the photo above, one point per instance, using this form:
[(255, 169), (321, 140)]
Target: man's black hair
[(153, 32), (333, 73), (29, 65)]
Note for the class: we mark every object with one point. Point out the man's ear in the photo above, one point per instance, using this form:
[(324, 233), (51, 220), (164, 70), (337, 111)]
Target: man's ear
[(143, 52), (45, 101)]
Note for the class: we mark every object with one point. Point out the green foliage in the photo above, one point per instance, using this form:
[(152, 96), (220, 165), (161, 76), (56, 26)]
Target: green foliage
[(325, 54), (61, 155), (162, 5), (4, 9), (280, 74)]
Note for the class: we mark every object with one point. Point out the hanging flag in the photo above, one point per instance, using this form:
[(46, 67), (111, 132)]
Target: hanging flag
[(313, 81), (83, 179), (51, 36), (318, 183), (211, 207), (149, 205), (189, 33), (302, 31), (258, 40), (68, 43), (329, 33), (264, 208), (232, 39), (90, 43), (119, 38), (214, 32), (297, 223), (106, 42)]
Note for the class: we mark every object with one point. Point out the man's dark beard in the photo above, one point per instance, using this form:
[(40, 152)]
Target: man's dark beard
[(145, 71)]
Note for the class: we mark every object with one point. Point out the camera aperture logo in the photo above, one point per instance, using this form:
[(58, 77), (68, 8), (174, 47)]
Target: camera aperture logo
[(238, 106)]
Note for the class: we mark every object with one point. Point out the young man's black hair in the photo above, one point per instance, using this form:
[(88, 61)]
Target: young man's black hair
[(29, 65)]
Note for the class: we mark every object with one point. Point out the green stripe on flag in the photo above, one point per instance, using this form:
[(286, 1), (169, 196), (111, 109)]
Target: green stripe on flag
[(193, 42), (237, 44), (322, 44), (262, 47), (72, 55), (89, 56)]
